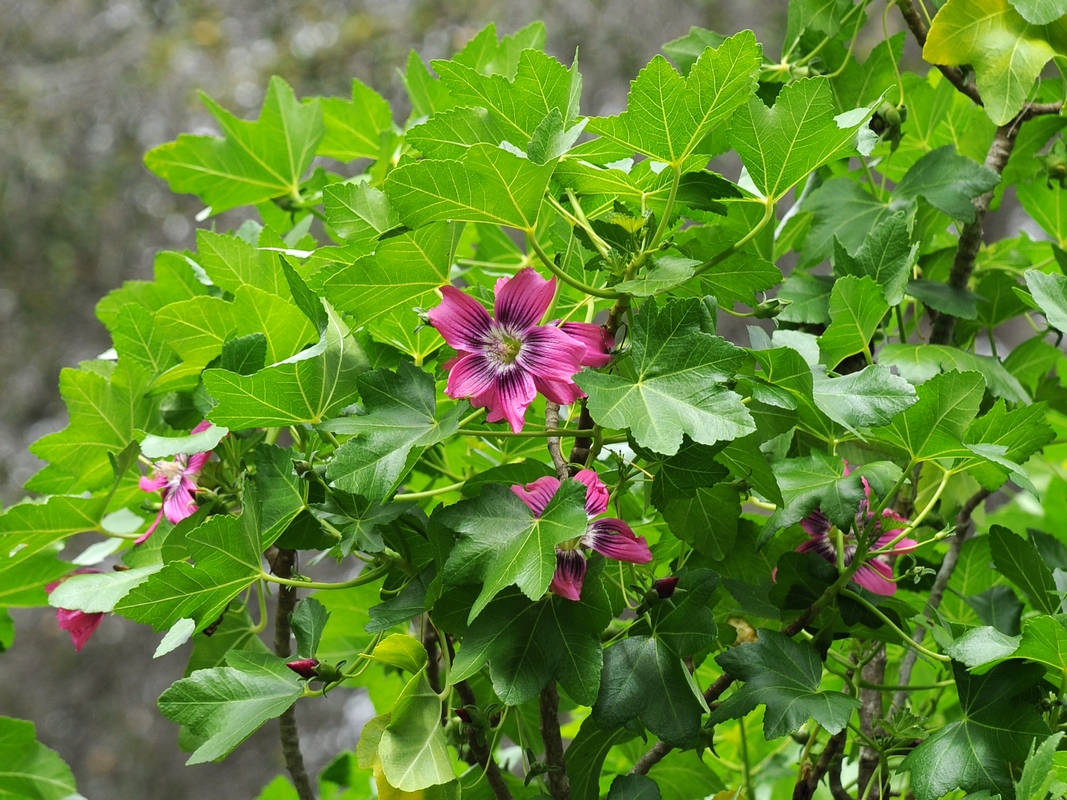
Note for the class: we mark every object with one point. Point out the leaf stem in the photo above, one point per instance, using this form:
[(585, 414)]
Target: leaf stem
[(429, 492), (538, 434), (768, 214), (550, 265), (364, 577), (892, 626)]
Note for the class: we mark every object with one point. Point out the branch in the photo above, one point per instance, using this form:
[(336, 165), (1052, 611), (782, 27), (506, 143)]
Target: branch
[(805, 788), (918, 28), (283, 566), (971, 237), (964, 530), (583, 445), (558, 783), (481, 750), (871, 710), (553, 442)]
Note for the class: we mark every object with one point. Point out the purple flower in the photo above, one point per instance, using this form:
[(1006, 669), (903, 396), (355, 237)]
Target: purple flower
[(609, 537), (875, 575), (79, 624), (177, 481), (598, 342), (503, 363)]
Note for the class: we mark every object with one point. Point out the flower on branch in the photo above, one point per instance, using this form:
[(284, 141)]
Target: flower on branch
[(875, 574), (503, 360), (612, 538), (304, 667), (176, 480), (80, 624)]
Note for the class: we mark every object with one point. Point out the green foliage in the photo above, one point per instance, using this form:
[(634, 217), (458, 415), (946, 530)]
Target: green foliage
[(884, 395)]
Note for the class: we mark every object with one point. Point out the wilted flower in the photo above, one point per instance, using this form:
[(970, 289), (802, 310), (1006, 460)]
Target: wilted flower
[(609, 537), (875, 575), (80, 624), (177, 481), (503, 363)]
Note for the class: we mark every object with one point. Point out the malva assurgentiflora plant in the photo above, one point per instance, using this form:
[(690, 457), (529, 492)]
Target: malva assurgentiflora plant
[(587, 545)]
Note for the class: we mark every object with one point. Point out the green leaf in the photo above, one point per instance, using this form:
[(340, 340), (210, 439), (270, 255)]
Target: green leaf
[(1050, 294), (1047, 204), (28, 769), (977, 752), (668, 116), (808, 296), (864, 399), (841, 209), (816, 481), (358, 211), (97, 592), (589, 748), (933, 427), (857, 306), (684, 621), (1044, 640), (886, 257), (1038, 774), (285, 328), (412, 748), (405, 271), (644, 679), (666, 273), (918, 363), (281, 492), (489, 184), (1040, 12), (503, 543), (784, 676), (353, 128), (308, 622), (450, 134), (226, 551), (739, 278), (779, 146), (707, 519), (235, 632), (400, 416), (528, 644), (403, 652), (945, 299), (231, 262), (196, 329), (253, 161), (225, 705), (169, 446), (307, 388), (1006, 52), (947, 181), (1019, 561), (979, 646), (541, 85), (633, 787), (667, 382)]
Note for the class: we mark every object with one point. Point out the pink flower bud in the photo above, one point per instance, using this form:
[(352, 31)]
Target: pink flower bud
[(304, 667), (665, 586)]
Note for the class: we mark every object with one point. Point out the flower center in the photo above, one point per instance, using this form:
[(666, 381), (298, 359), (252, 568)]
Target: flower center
[(504, 348), (172, 470)]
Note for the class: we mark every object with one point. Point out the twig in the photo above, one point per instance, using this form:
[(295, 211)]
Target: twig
[(583, 445), (481, 750), (805, 788), (558, 783), (918, 28), (553, 442), (964, 530), (971, 237), (283, 566), (870, 710)]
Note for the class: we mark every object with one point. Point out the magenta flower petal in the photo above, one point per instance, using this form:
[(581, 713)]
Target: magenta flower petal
[(560, 392), (80, 625), (596, 493), (471, 376), (461, 320), (151, 528), (539, 494), (515, 391), (570, 574), (203, 426), (614, 539), (816, 524), (521, 301), (598, 342), (876, 576), (903, 546), (152, 484), (549, 353), (196, 463), (178, 504)]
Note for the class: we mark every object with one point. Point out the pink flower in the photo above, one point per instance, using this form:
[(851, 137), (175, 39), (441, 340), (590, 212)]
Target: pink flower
[(875, 575), (503, 363), (80, 624), (598, 342), (609, 537), (177, 481)]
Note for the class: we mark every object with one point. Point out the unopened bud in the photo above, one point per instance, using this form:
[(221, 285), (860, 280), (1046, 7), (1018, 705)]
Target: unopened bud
[(464, 715), (665, 586), (304, 667)]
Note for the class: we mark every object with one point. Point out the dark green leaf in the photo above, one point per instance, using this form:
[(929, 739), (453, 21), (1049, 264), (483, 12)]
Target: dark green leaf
[(1018, 561), (948, 182), (308, 622)]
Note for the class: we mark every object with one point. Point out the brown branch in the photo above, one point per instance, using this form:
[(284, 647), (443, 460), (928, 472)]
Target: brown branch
[(282, 566), (583, 445), (964, 530), (558, 783), (873, 672), (918, 28), (806, 786), (971, 237), (553, 442), (481, 750)]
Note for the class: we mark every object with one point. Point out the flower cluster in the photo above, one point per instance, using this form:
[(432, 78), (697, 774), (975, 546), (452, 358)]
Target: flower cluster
[(176, 480), (875, 574), (504, 360), (609, 537)]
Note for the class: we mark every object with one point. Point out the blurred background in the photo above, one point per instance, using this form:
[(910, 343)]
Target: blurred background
[(86, 88)]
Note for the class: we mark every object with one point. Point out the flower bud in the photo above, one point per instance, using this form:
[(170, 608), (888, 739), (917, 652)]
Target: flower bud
[(464, 715), (304, 667), (665, 586)]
